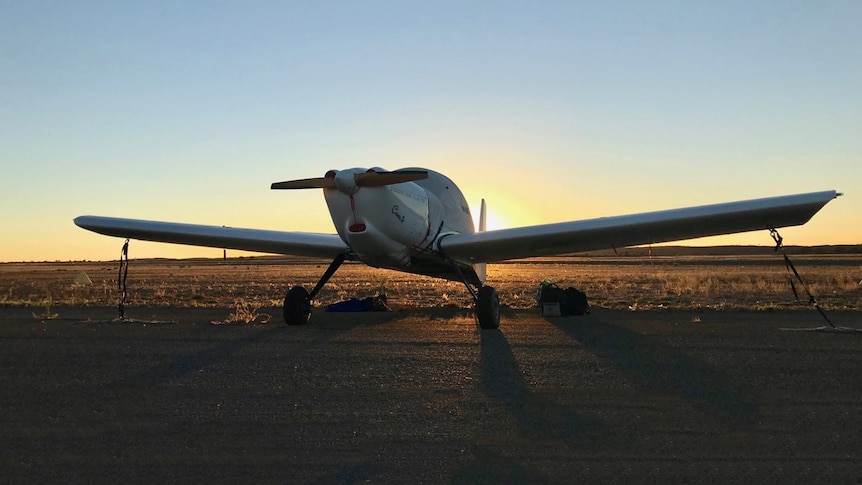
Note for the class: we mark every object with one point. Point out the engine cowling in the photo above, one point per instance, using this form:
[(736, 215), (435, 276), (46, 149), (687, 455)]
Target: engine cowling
[(383, 225)]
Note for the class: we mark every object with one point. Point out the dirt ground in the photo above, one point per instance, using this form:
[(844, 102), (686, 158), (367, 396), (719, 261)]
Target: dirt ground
[(424, 396)]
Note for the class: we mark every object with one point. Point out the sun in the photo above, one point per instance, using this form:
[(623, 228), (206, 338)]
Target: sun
[(493, 220)]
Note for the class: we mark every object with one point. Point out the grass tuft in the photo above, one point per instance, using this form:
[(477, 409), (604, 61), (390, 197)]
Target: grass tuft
[(46, 314), (245, 313)]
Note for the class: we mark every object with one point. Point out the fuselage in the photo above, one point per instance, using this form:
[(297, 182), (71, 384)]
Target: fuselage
[(398, 226)]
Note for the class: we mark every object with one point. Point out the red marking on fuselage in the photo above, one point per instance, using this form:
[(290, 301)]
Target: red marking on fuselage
[(353, 210)]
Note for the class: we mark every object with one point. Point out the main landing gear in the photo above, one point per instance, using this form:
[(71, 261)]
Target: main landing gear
[(486, 302), (488, 307), (297, 306), (297, 301)]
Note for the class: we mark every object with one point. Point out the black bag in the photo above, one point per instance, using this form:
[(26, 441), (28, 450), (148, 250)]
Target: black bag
[(575, 302), (370, 304), (554, 301), (549, 299)]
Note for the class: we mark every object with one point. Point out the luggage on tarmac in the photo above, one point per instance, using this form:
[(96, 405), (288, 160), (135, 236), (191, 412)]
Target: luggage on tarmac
[(554, 301)]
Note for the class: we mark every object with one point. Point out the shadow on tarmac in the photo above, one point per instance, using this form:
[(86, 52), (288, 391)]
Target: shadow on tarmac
[(537, 416), (325, 329), (538, 419), (658, 366)]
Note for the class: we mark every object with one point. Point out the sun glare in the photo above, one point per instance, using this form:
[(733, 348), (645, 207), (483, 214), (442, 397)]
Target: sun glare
[(493, 220)]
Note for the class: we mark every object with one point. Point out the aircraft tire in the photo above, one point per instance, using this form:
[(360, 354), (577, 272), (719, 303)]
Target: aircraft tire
[(488, 308), (297, 306)]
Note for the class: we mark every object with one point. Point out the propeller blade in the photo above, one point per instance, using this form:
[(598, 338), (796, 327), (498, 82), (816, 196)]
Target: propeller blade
[(315, 183), (367, 179), (379, 179)]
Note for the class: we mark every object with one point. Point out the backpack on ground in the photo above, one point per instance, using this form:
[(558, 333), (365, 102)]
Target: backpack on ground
[(554, 301), (576, 302)]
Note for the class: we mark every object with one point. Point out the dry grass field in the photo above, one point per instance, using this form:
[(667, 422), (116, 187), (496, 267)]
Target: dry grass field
[(666, 282)]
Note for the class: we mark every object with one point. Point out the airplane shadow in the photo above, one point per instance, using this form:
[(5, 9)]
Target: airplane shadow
[(537, 419), (536, 415), (318, 331), (188, 364), (659, 366), (445, 313)]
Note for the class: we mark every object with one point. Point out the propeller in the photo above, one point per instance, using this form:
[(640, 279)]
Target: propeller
[(315, 183), (379, 179), (370, 178)]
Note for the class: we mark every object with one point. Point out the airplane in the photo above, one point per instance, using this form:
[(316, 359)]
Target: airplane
[(417, 220)]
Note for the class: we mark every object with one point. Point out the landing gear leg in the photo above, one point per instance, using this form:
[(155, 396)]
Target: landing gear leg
[(486, 302), (297, 301)]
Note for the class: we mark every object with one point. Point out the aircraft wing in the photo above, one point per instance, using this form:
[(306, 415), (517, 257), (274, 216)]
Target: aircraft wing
[(635, 229), (275, 242)]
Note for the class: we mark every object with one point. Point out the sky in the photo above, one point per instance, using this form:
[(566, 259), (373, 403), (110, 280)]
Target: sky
[(551, 111)]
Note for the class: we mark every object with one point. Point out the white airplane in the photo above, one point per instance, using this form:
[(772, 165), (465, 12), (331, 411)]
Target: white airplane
[(417, 220)]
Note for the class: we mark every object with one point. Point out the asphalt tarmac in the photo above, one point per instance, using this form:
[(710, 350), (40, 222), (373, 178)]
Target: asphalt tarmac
[(426, 397)]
